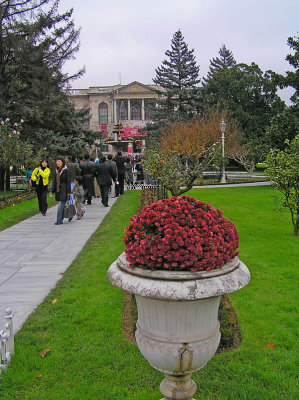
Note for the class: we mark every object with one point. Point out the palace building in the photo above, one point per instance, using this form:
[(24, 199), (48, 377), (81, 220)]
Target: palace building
[(129, 105)]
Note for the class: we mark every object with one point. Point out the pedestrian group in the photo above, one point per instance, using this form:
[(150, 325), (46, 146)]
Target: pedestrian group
[(78, 182)]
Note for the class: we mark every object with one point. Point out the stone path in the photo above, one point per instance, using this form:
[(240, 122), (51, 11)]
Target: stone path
[(226, 185), (34, 253)]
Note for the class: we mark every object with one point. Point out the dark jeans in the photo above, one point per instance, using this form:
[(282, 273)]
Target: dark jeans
[(119, 189), (104, 194), (42, 200)]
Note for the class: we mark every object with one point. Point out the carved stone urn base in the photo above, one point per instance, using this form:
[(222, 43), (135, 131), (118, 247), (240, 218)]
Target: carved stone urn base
[(178, 328)]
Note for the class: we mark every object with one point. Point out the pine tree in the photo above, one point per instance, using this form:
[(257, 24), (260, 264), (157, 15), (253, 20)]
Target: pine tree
[(178, 77), (292, 78), (35, 42), (226, 60)]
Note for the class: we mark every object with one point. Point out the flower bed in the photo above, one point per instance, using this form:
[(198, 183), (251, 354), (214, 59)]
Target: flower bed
[(178, 234), (12, 200)]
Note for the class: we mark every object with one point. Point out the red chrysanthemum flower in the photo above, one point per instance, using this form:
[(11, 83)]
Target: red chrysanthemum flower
[(180, 234)]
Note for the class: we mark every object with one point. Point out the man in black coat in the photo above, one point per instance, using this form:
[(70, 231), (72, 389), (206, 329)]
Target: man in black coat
[(87, 172), (73, 167), (121, 170), (104, 174)]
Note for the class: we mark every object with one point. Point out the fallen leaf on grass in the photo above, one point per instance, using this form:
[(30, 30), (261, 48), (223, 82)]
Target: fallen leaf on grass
[(45, 352), (270, 345), (54, 301)]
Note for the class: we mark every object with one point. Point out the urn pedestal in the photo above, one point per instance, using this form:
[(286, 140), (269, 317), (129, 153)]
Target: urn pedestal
[(178, 328)]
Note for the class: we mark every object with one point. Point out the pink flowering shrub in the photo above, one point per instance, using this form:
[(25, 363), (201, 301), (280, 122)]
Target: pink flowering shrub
[(180, 234)]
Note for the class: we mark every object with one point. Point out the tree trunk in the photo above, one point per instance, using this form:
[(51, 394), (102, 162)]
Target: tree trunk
[(5, 173), (4, 182)]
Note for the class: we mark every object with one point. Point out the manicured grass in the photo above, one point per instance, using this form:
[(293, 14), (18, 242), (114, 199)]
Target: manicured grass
[(267, 308), (13, 214), (90, 359)]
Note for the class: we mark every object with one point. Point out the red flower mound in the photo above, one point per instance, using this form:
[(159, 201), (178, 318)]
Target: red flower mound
[(180, 234)]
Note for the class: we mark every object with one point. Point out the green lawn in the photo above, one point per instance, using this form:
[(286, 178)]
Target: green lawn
[(90, 359), (13, 214)]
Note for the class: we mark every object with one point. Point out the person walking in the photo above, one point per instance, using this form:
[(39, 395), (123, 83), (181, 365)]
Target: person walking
[(87, 171), (40, 176), (28, 178), (120, 163), (61, 187), (78, 193), (114, 167), (140, 174), (97, 192), (129, 172), (104, 174), (73, 167)]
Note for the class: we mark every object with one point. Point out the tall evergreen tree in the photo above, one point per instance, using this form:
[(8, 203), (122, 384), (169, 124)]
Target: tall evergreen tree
[(224, 61), (292, 78), (35, 42), (178, 77), (285, 125)]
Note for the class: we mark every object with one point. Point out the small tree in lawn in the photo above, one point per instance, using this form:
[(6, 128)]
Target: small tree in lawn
[(187, 148), (12, 150), (245, 154), (283, 170)]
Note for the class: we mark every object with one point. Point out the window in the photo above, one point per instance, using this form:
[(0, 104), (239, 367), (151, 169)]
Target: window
[(135, 111), (103, 113), (149, 111), (123, 111)]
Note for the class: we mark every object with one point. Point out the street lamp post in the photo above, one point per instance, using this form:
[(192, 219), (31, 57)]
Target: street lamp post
[(222, 128)]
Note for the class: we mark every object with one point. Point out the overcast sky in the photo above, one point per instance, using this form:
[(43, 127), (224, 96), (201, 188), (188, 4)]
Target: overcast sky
[(125, 40)]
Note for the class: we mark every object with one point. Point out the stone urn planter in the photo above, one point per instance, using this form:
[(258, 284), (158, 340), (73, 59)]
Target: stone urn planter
[(180, 258), (178, 328)]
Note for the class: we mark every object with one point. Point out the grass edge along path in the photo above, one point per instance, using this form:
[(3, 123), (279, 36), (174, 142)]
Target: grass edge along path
[(80, 321), (14, 214)]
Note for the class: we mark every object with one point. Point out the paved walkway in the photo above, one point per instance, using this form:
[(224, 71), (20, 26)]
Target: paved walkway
[(226, 185), (34, 253)]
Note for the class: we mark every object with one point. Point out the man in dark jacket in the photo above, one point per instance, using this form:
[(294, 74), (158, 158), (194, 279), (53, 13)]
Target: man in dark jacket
[(61, 187), (73, 167), (114, 167), (87, 171), (104, 174), (121, 170)]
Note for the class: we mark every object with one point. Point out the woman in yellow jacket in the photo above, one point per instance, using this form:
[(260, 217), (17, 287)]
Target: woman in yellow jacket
[(40, 177)]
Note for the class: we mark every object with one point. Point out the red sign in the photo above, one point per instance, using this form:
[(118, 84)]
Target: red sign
[(103, 129), (128, 131)]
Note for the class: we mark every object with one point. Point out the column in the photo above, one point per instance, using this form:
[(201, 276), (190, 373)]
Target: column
[(129, 109), (142, 110), (114, 111)]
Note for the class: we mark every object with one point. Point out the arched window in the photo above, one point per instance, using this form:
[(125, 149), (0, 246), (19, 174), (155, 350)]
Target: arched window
[(135, 111), (103, 113)]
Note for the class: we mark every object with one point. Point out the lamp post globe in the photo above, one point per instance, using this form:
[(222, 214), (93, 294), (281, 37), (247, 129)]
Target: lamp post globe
[(222, 128)]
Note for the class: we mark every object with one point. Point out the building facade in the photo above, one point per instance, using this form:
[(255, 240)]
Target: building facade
[(131, 105)]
